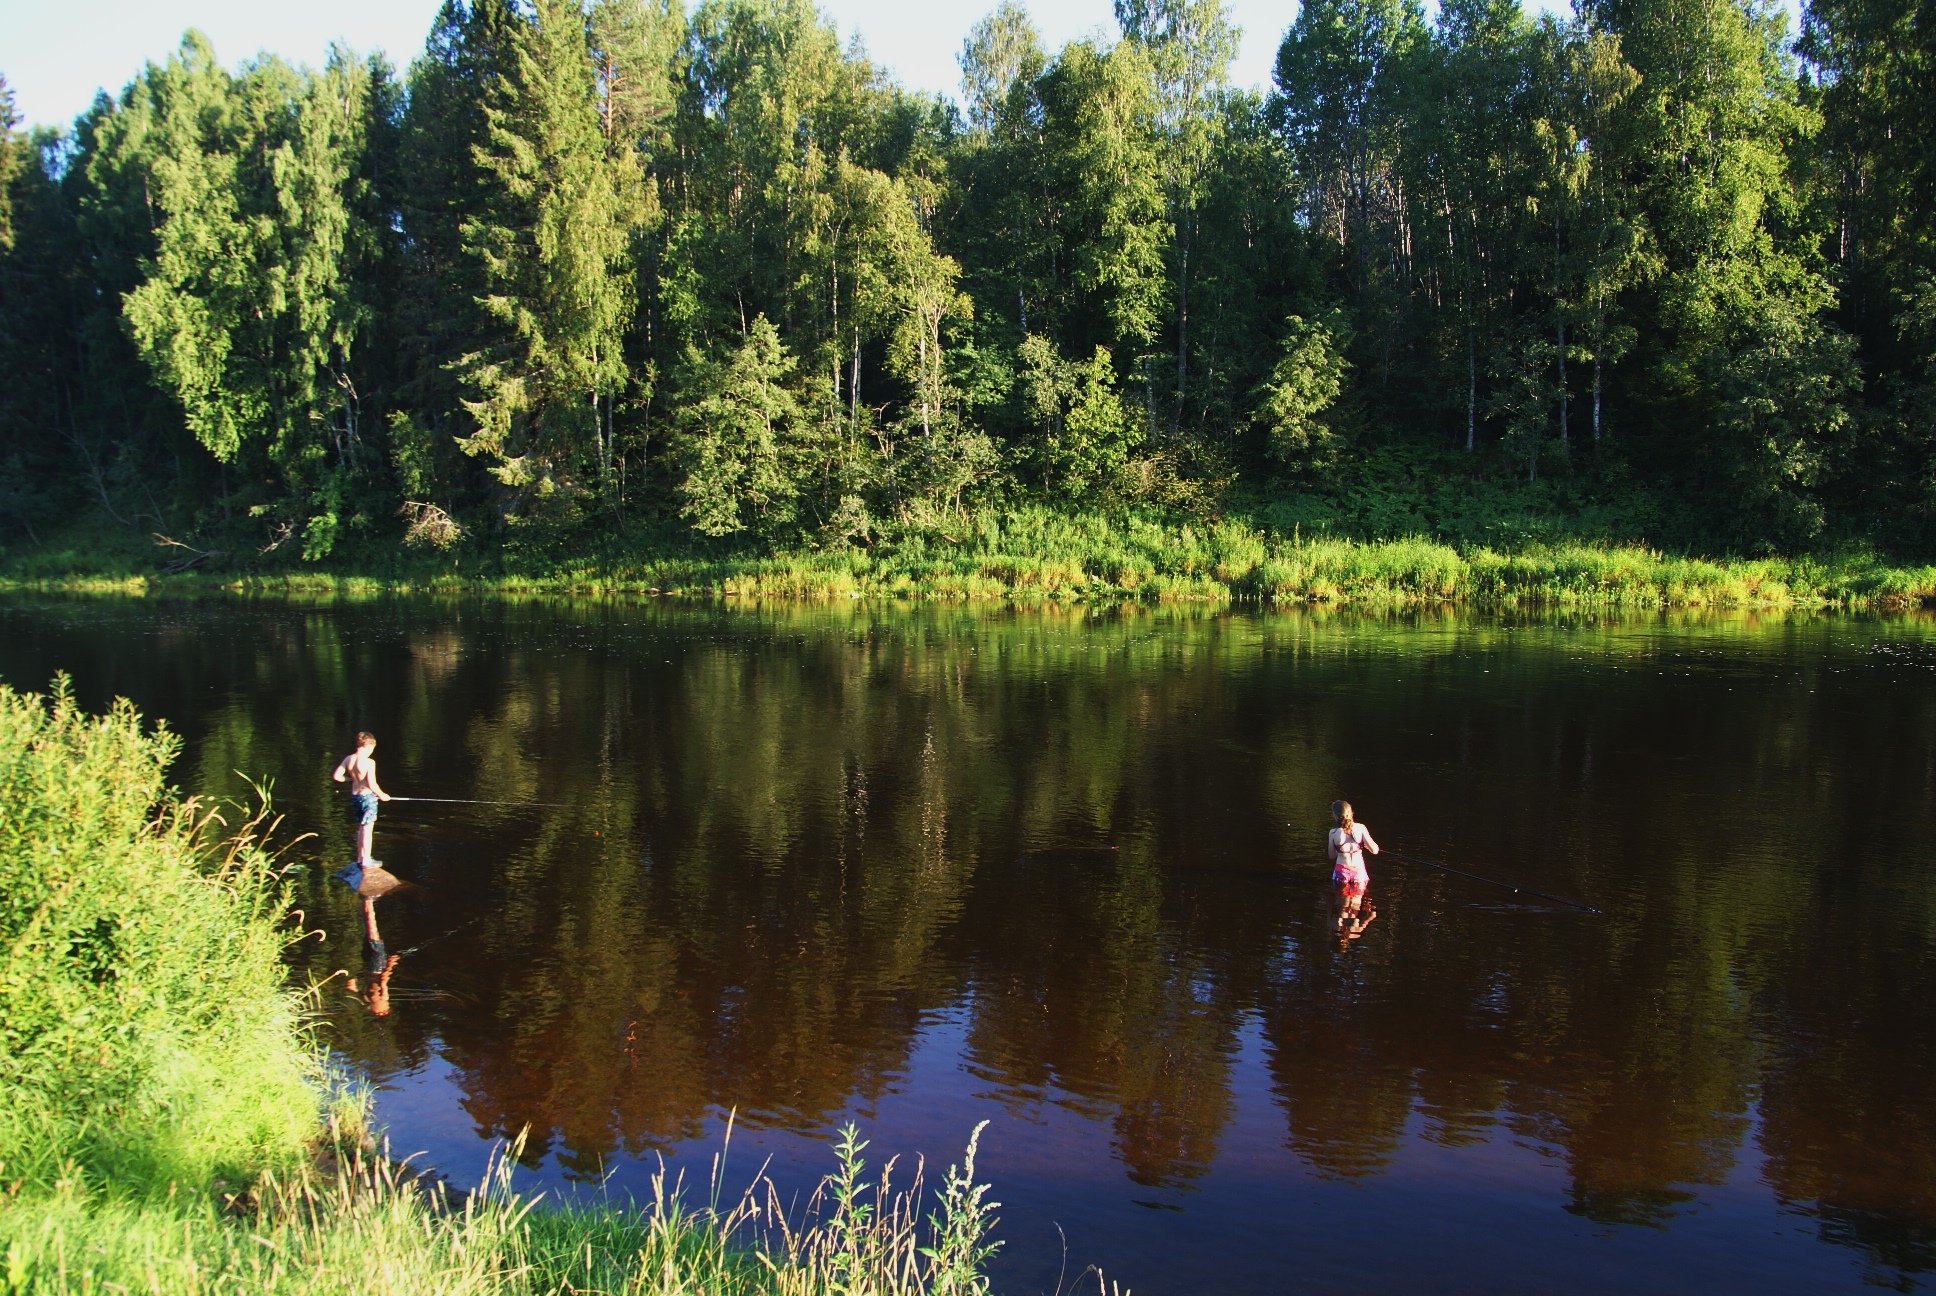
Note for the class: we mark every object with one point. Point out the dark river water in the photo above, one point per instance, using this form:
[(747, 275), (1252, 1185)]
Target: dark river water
[(1064, 873)]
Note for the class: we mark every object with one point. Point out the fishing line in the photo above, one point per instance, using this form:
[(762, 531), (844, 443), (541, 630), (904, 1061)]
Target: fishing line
[(444, 935), (1516, 890), (1495, 882), (549, 805)]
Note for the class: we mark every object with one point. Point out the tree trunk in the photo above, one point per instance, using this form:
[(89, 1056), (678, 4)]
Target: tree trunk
[(927, 432), (1471, 387), (1559, 324), (1596, 400), (1562, 364), (833, 334), (1182, 316)]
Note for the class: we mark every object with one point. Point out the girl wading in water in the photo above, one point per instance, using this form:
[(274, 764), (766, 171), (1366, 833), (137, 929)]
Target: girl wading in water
[(1346, 844)]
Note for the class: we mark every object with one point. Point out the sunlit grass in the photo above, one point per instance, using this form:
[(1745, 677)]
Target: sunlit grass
[(1034, 554), (351, 1220)]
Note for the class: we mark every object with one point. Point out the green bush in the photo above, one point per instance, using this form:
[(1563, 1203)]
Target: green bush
[(147, 1036)]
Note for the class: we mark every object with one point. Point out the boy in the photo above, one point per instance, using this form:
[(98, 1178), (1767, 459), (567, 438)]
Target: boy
[(358, 769)]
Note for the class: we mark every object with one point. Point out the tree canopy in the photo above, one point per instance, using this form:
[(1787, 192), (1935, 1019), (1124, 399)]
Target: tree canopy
[(711, 271)]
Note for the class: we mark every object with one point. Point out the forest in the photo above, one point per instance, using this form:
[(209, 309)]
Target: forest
[(709, 280)]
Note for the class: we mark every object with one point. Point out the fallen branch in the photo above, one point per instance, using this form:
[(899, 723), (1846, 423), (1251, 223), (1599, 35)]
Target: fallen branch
[(192, 556), (429, 525)]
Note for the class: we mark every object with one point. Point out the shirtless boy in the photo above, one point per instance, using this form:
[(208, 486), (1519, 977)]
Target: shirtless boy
[(358, 769)]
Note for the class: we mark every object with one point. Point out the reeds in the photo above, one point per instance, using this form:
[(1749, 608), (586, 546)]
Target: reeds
[(352, 1220)]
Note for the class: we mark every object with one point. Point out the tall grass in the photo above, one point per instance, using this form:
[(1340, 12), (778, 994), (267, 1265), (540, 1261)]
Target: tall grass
[(359, 1224), (166, 1129)]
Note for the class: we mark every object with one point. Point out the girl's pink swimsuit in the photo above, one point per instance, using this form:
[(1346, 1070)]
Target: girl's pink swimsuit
[(1348, 870)]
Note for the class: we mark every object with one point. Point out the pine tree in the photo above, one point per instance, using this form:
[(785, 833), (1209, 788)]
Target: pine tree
[(438, 319), (634, 44), (1295, 403)]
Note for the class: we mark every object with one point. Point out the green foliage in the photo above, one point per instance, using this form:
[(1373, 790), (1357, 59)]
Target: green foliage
[(289, 312), (253, 305), (1779, 378), (740, 436), (1100, 128), (1293, 402), (551, 248), (1085, 433), (147, 1036)]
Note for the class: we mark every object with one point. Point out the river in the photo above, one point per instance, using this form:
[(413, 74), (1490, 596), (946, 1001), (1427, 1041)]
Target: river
[(1062, 871)]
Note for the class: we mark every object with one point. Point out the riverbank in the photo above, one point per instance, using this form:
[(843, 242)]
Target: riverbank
[(1037, 555), (171, 1127)]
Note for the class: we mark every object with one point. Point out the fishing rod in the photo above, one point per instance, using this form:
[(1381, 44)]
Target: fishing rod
[(432, 940), (548, 805), (1516, 890)]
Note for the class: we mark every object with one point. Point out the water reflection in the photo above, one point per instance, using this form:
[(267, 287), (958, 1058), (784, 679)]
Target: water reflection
[(371, 884), (796, 849)]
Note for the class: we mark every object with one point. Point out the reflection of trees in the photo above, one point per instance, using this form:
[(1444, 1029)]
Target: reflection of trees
[(789, 836), (1103, 991)]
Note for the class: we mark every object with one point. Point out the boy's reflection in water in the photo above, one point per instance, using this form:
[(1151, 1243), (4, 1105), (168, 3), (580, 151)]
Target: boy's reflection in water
[(373, 986)]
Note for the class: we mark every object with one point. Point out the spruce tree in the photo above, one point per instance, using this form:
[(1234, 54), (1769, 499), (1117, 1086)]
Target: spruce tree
[(552, 247)]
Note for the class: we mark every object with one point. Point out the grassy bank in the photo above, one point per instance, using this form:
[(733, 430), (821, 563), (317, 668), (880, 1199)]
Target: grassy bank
[(1036, 554), (168, 1128)]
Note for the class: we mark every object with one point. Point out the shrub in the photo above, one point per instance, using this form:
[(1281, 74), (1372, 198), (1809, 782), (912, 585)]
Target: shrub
[(147, 1037)]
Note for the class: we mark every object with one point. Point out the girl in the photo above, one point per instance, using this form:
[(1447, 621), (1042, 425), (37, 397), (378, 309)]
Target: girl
[(1346, 844)]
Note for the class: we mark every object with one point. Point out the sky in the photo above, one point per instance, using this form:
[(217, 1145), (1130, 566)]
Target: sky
[(55, 58)]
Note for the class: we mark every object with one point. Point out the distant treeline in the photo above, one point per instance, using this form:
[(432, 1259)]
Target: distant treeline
[(634, 269)]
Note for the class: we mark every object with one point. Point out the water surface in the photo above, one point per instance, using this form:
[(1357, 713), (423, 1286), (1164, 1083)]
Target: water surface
[(1063, 872)]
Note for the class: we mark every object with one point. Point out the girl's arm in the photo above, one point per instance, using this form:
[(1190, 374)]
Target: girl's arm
[(1370, 845), (1331, 844)]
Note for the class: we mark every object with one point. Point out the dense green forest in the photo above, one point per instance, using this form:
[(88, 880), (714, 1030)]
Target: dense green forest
[(708, 280)]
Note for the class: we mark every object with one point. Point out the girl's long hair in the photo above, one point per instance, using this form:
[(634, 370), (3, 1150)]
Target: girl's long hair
[(1341, 811)]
